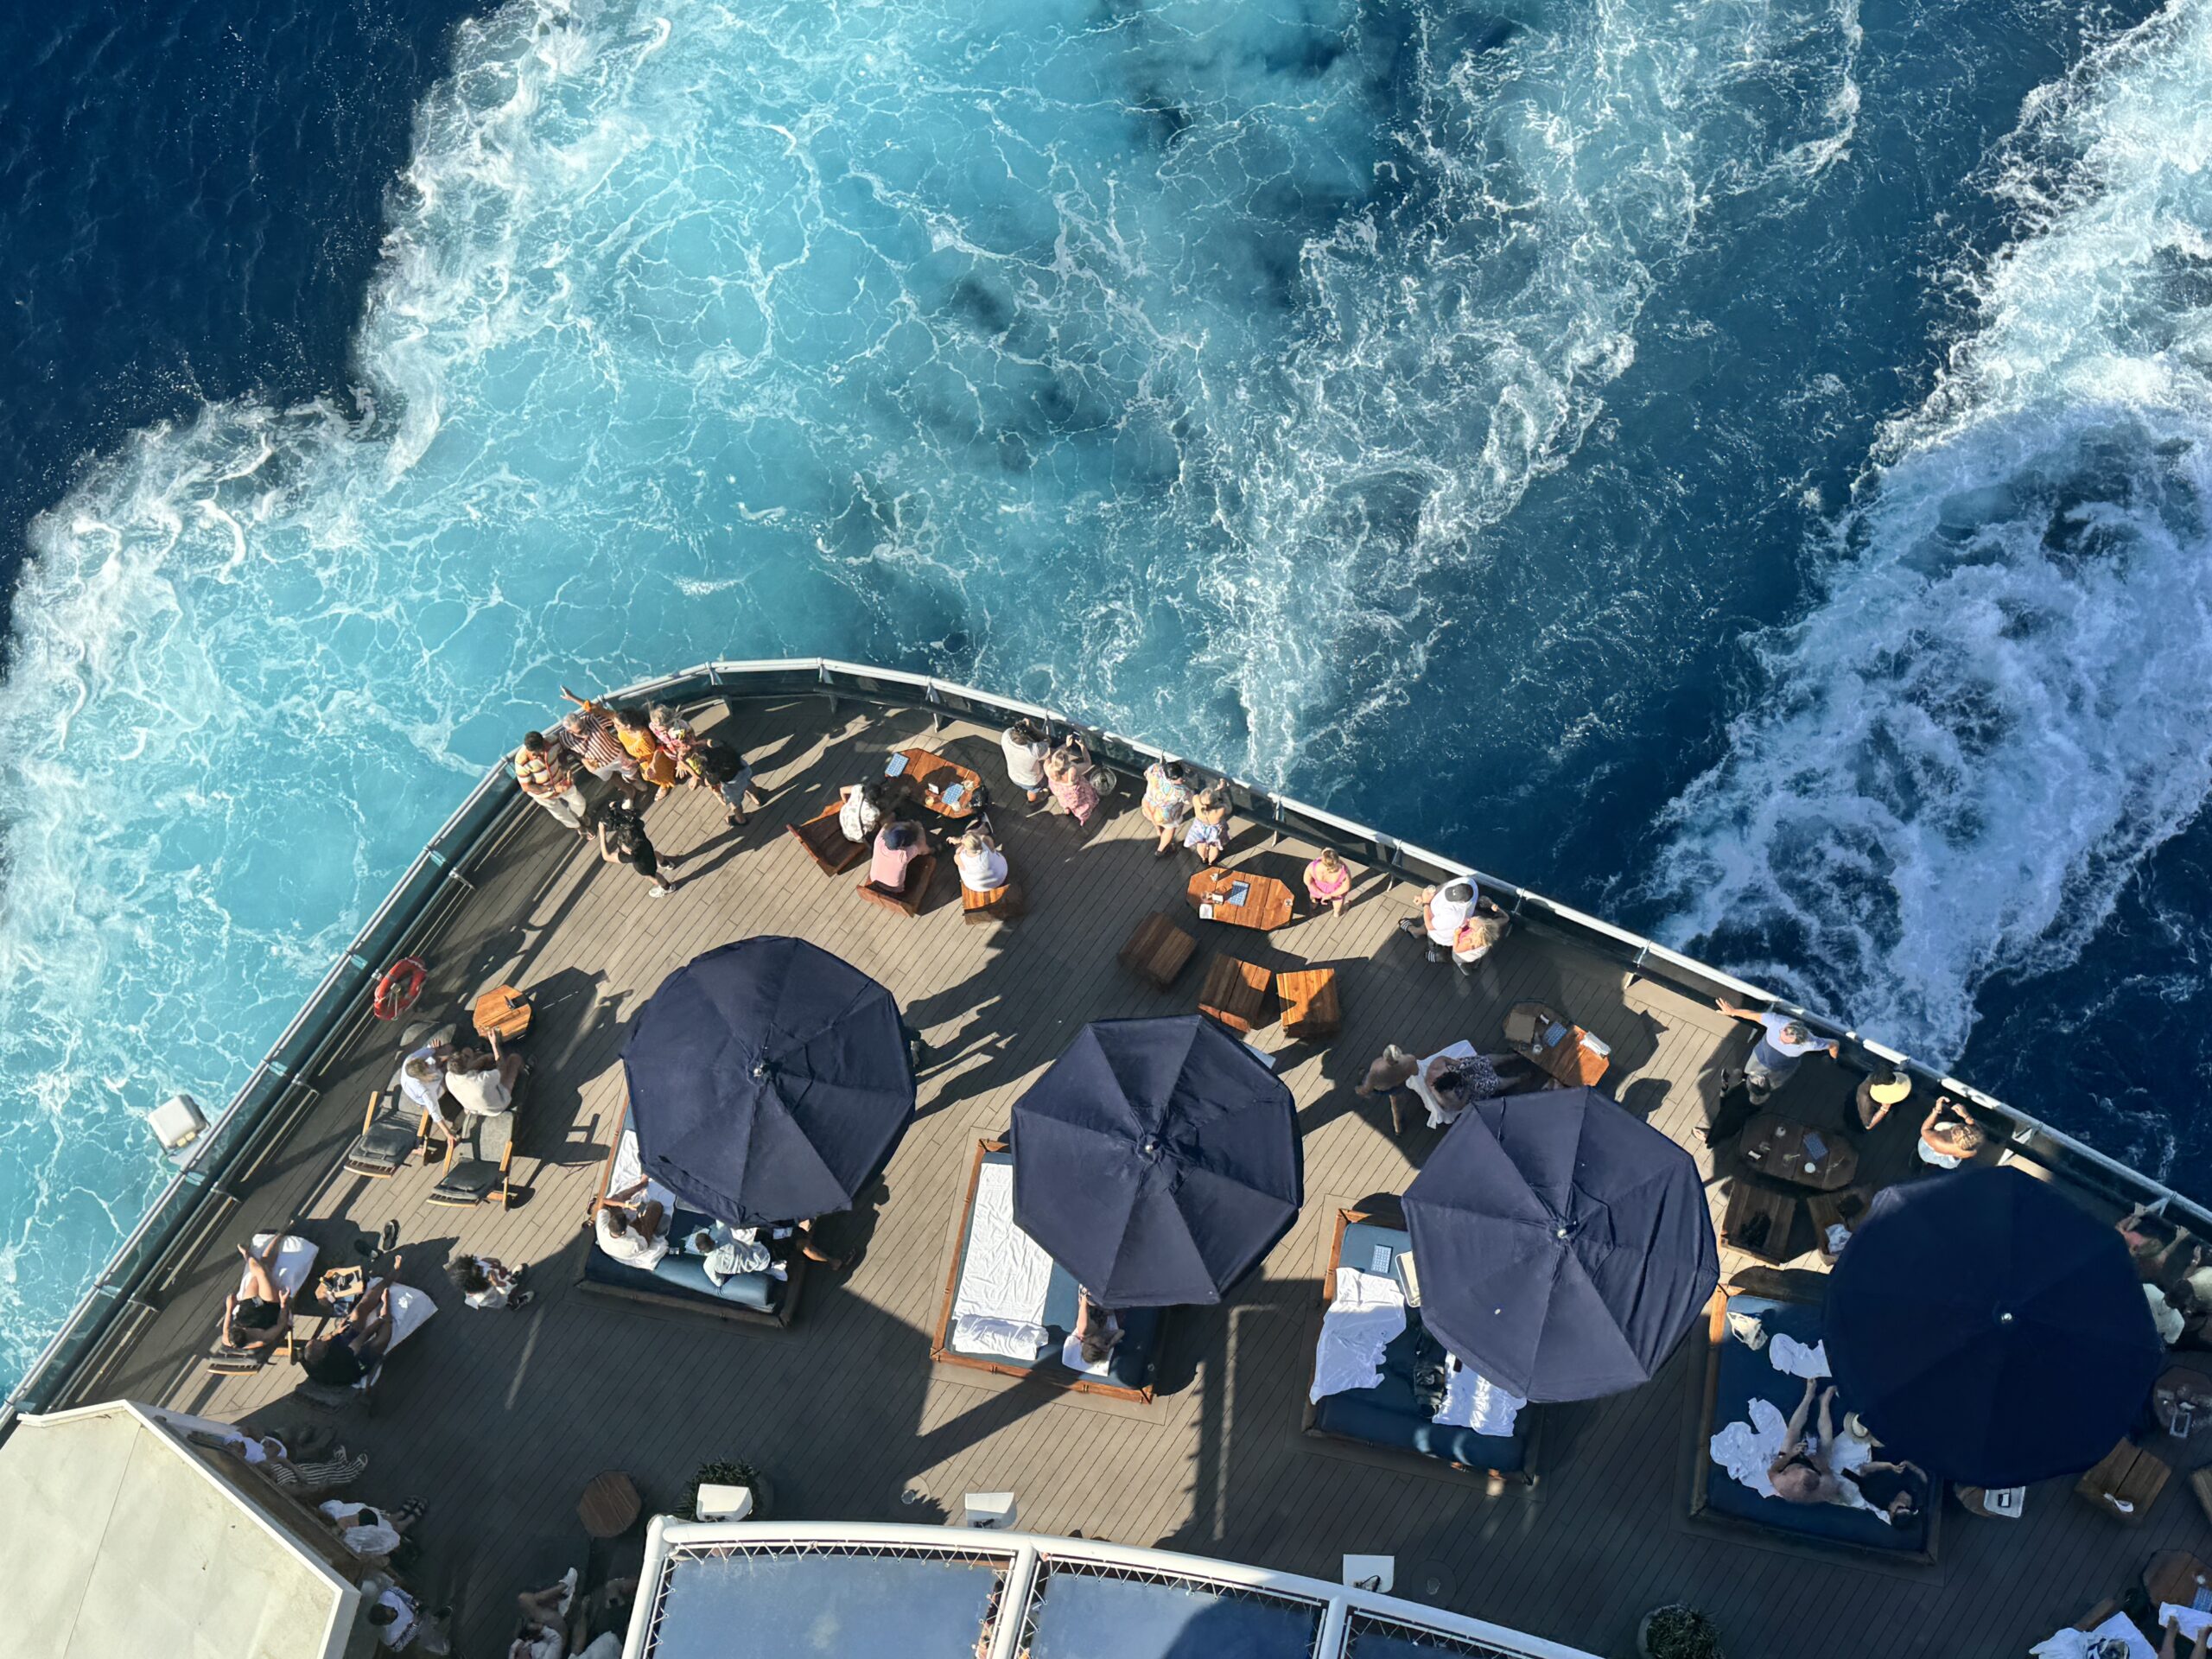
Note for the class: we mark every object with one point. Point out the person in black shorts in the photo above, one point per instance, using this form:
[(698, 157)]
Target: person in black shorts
[(1898, 1490), (342, 1360), (623, 840)]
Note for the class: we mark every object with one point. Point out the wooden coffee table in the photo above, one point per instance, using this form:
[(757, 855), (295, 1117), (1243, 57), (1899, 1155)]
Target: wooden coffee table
[(1566, 1057), (929, 774), (1266, 906), (1777, 1150)]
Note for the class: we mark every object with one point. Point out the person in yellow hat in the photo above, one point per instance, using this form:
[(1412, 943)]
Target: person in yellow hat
[(1878, 1093)]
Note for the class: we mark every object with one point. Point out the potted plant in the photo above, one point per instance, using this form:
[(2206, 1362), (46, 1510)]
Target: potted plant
[(1677, 1632), (728, 1474)]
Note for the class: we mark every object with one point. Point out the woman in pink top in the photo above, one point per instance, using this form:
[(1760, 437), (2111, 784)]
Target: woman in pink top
[(1069, 773), (898, 845), (1328, 881)]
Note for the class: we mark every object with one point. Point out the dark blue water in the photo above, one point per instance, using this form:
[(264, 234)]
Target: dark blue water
[(1738, 467)]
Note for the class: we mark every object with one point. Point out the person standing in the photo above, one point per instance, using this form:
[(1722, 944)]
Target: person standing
[(655, 765), (1070, 771), (1166, 803), (1025, 747), (1784, 1041), (709, 763), (591, 735), (544, 773), (1443, 911), (623, 840)]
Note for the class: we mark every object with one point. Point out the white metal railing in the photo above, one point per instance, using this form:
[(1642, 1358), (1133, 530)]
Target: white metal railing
[(1025, 1561)]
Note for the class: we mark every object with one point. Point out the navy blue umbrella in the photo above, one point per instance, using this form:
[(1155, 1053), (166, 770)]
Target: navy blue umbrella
[(1563, 1244), (1157, 1160), (1988, 1328), (768, 1082)]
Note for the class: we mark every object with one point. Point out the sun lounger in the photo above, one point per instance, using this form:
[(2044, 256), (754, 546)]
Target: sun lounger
[(294, 1265), (1734, 1376), (411, 1309), (392, 1127), (825, 844), (679, 1281), (1392, 1420), (978, 1321), (467, 1182)]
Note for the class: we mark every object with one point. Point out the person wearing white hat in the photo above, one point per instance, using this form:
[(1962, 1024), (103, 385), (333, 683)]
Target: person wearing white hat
[(1877, 1093)]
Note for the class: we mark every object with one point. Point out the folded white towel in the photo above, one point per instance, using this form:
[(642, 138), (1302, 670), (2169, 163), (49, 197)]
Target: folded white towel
[(1367, 1312), (1472, 1401), (1000, 1306)]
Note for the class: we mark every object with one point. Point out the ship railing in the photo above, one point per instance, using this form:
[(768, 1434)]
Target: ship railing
[(276, 1092)]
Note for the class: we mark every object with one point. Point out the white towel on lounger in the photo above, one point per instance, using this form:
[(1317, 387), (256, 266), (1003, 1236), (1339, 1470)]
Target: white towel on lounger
[(629, 1166), (295, 1261), (1793, 1358), (1472, 1401), (1367, 1312), (1000, 1306)]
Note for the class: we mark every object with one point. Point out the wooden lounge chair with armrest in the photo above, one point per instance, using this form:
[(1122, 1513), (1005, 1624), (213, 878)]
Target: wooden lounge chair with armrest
[(393, 1128), (412, 1308), (293, 1270), (484, 1173), (909, 899), (825, 843)]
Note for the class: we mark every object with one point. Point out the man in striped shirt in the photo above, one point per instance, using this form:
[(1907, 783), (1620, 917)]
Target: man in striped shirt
[(543, 771), (589, 734)]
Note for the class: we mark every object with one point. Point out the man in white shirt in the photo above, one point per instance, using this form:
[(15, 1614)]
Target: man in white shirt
[(634, 1234), (1785, 1040), (1445, 911), (481, 1085)]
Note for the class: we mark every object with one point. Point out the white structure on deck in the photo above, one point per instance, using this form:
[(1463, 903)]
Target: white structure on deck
[(757, 1590), (118, 1540)]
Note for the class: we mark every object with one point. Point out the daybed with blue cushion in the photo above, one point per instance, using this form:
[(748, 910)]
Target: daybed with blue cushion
[(678, 1280), (1130, 1368), (1735, 1374), (1389, 1420)]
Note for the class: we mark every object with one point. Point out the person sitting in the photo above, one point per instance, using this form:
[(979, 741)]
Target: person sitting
[(486, 1281), (634, 1234), (1878, 1092), (864, 809), (342, 1359), (1328, 881), (1166, 803), (1069, 772), (1803, 1471), (1949, 1135), (898, 845), (1443, 911), (1478, 935), (1897, 1490), (1097, 1330), (398, 1619), (262, 1316), (543, 1631), (1207, 833), (483, 1086), (981, 865), (422, 1080), (1025, 745)]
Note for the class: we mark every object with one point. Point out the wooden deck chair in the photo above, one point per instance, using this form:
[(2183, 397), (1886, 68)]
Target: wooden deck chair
[(908, 900), (825, 844), (294, 1267), (391, 1128), (466, 1182)]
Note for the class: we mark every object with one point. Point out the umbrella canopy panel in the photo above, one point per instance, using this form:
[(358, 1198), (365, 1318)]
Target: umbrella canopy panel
[(1157, 1160), (1564, 1245), (1989, 1329), (769, 1082)]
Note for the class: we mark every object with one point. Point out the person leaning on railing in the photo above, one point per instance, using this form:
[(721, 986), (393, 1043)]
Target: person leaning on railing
[(1784, 1041)]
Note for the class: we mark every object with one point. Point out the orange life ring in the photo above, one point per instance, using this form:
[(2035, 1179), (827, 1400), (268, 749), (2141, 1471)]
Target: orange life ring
[(394, 999)]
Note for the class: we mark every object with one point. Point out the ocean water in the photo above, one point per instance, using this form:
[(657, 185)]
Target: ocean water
[(1737, 466)]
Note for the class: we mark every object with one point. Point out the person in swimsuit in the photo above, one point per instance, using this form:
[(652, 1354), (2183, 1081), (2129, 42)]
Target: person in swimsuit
[(344, 1359), (260, 1318), (1802, 1472), (1207, 834), (1328, 881), (1949, 1135)]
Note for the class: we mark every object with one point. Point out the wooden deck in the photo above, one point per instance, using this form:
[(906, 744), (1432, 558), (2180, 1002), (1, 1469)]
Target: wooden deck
[(499, 1419)]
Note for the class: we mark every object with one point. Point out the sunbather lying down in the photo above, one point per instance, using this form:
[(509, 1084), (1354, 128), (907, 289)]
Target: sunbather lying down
[(1804, 1471), (345, 1358)]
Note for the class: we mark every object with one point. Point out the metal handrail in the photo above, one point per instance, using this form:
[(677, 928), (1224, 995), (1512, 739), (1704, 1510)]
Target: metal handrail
[(333, 1004)]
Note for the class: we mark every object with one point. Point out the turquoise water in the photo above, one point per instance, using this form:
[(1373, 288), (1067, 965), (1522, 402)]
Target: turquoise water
[(1737, 465)]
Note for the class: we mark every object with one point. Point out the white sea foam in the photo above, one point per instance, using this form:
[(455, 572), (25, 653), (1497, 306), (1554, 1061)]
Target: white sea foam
[(1996, 709)]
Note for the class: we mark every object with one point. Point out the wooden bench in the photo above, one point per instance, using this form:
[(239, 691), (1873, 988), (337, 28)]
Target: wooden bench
[(2126, 1483), (999, 904), (1746, 1200), (907, 901), (1845, 1209), (1309, 1003), (825, 841), (1158, 950), (1236, 993)]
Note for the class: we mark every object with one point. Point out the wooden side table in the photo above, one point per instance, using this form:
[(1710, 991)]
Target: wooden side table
[(1236, 993), (609, 1505), (1309, 1003), (2126, 1483), (502, 1015), (1158, 950)]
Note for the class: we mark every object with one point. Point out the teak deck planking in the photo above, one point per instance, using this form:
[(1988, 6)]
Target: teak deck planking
[(499, 1419)]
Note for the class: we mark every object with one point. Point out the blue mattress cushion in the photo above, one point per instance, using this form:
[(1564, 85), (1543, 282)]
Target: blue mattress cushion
[(1745, 1375), (1389, 1414)]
